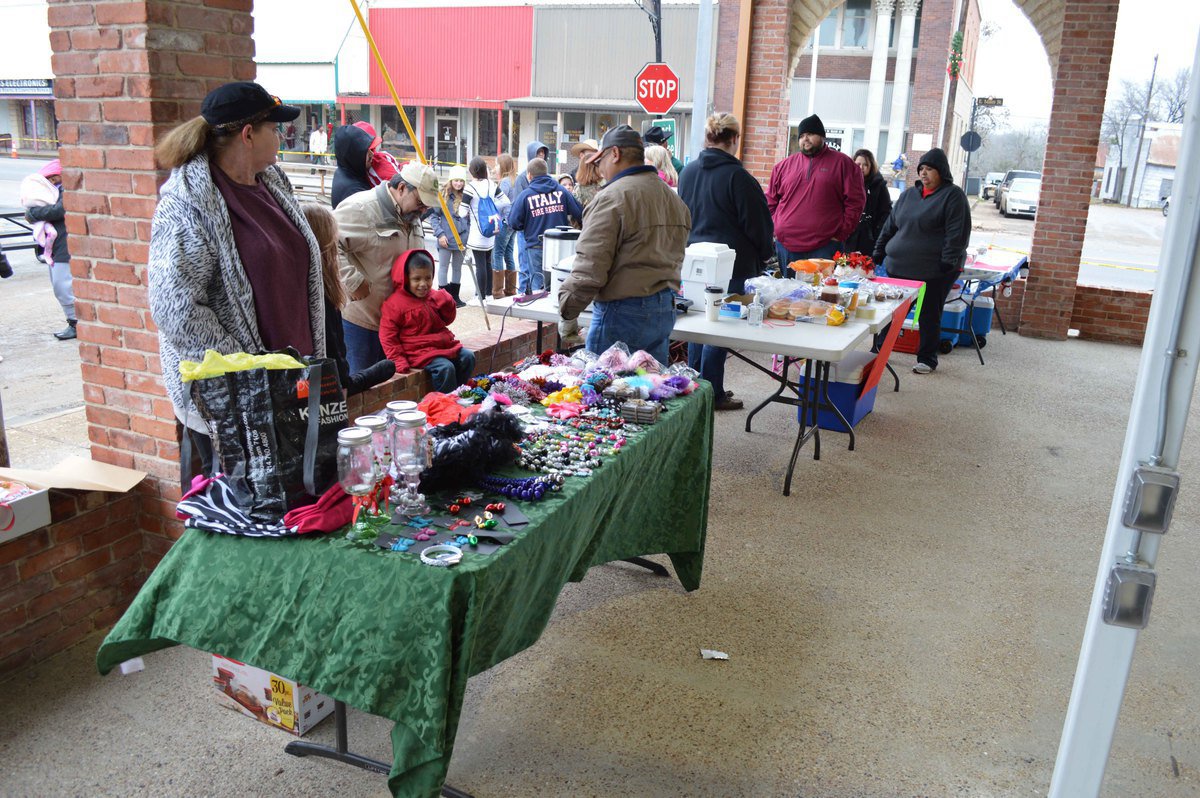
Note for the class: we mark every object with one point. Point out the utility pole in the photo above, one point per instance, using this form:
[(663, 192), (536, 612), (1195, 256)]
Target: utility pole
[(970, 129), (653, 9), (1137, 154)]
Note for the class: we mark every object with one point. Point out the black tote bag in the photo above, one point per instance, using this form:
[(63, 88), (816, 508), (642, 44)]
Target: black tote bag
[(274, 433)]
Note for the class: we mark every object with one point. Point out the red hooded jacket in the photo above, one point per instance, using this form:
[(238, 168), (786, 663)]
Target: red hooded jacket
[(414, 331)]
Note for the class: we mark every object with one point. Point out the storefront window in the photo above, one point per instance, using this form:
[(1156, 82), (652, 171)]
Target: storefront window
[(856, 15), (573, 122), (916, 29), (392, 131), (485, 132), (828, 34)]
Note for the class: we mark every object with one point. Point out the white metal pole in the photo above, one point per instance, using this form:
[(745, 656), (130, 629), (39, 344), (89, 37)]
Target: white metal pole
[(1162, 397), (812, 77), (700, 110)]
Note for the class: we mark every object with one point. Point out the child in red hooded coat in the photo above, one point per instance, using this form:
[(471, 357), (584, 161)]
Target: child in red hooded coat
[(415, 325)]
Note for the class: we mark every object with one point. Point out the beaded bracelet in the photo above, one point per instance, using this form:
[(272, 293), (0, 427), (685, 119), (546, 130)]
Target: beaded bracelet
[(443, 555)]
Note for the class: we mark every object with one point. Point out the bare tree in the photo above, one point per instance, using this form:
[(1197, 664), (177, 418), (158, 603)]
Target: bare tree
[(1173, 100), (1129, 104)]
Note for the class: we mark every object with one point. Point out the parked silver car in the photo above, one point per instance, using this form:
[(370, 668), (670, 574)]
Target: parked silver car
[(1009, 176), (1021, 197), (990, 181)]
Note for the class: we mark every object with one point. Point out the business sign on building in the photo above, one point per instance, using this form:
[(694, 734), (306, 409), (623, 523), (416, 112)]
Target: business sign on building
[(26, 87)]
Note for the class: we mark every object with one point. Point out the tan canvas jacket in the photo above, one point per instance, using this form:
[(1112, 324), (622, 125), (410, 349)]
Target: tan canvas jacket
[(634, 234), (370, 236)]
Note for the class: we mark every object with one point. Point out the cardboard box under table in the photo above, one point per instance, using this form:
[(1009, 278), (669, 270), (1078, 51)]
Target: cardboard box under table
[(268, 697), (399, 639)]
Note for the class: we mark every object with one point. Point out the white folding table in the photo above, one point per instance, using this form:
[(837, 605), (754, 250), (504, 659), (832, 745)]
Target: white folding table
[(818, 346)]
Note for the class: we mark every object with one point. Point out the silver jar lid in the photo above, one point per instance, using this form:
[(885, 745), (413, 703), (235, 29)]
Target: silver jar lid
[(372, 422), (354, 436), (400, 405), (410, 418)]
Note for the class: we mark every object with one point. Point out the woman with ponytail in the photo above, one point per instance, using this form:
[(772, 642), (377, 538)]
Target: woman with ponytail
[(233, 264)]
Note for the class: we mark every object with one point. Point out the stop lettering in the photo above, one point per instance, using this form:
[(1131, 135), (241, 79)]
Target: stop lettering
[(656, 88)]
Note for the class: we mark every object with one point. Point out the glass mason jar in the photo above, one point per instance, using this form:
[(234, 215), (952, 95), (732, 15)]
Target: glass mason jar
[(411, 456), (358, 471)]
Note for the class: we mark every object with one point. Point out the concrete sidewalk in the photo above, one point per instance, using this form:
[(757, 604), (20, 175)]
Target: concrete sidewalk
[(907, 623)]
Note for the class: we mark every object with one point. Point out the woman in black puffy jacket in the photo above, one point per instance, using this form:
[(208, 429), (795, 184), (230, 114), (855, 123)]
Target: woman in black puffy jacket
[(879, 205)]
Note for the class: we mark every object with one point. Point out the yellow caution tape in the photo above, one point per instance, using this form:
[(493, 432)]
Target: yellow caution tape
[(1088, 262)]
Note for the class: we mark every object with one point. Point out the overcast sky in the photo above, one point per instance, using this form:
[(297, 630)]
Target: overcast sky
[(1012, 63)]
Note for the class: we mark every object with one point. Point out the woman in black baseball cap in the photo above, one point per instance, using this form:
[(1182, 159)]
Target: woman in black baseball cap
[(233, 264)]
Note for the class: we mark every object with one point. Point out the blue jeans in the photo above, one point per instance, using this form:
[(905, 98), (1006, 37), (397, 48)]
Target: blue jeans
[(532, 277), (362, 347), (643, 322), (447, 374), (710, 360), (502, 258), (786, 256)]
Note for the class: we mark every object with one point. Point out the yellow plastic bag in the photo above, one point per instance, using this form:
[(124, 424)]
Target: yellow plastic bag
[(216, 364)]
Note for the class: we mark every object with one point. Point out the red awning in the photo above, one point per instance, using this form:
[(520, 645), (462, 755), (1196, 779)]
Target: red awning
[(451, 57), (420, 102)]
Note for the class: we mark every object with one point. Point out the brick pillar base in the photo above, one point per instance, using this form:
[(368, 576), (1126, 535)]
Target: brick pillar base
[(1080, 84)]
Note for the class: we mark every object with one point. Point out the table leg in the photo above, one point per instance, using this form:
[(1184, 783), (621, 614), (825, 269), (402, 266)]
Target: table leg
[(996, 310), (804, 430), (341, 752), (971, 329), (895, 377), (649, 565), (823, 384), (539, 338), (783, 384), (810, 405)]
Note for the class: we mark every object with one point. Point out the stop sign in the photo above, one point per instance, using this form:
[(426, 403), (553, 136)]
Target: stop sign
[(656, 88)]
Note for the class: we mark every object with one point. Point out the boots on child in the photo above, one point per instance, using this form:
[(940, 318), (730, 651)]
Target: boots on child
[(67, 333), (452, 290)]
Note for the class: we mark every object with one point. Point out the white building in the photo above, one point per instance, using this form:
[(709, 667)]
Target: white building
[(1142, 177)]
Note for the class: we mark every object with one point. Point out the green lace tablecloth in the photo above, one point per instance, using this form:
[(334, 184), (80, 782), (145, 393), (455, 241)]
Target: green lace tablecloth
[(399, 639)]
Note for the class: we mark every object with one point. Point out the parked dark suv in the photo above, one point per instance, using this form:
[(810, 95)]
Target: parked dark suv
[(1009, 176)]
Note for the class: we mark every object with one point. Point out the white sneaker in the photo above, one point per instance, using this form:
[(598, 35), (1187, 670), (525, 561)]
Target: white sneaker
[(922, 368)]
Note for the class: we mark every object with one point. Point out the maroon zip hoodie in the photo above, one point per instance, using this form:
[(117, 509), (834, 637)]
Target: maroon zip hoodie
[(815, 199)]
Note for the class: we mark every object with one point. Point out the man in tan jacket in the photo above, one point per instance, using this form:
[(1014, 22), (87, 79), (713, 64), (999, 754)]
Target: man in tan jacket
[(630, 254), (374, 227)]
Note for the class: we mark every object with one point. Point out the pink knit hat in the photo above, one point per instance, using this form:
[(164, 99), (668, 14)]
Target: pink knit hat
[(52, 168)]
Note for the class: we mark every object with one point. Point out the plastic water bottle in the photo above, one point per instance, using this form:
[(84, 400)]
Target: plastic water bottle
[(754, 315)]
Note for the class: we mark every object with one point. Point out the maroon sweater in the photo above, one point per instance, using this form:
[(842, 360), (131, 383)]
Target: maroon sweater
[(274, 254), (815, 200)]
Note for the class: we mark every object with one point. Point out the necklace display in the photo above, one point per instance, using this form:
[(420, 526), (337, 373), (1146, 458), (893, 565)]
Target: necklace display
[(572, 454), (530, 489)]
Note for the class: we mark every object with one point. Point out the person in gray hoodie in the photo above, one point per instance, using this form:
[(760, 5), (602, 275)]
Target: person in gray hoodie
[(925, 238)]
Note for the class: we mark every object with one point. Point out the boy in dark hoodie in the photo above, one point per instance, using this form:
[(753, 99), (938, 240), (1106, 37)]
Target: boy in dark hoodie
[(352, 146), (415, 325), (541, 207), (925, 238)]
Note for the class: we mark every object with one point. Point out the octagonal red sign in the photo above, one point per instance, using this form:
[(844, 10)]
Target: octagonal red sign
[(656, 88)]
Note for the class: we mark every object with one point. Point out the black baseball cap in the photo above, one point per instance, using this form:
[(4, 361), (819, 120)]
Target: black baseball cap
[(657, 135), (619, 136), (241, 103)]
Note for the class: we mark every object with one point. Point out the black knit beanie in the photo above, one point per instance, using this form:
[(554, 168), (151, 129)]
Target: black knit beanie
[(811, 124)]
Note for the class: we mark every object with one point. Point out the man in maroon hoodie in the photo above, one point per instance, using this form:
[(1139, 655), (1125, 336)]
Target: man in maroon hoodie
[(816, 197), (414, 328)]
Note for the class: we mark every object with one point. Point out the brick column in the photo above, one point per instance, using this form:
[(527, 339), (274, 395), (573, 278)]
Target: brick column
[(928, 82), (768, 89), (126, 73), (1080, 84)]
